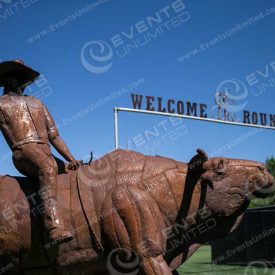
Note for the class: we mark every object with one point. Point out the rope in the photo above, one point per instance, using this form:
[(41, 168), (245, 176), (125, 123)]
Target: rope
[(92, 232)]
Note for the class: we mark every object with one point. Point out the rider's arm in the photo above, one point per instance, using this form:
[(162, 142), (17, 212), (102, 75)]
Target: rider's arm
[(62, 148), (57, 142)]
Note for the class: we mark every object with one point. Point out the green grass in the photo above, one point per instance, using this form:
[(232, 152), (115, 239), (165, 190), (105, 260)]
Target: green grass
[(200, 263)]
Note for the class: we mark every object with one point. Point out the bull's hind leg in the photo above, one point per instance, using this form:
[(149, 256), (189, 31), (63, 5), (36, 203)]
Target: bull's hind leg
[(132, 221)]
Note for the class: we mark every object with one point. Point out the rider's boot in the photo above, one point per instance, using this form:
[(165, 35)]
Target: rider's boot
[(54, 224)]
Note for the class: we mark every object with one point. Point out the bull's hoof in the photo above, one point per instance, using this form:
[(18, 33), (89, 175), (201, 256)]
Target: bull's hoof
[(59, 236)]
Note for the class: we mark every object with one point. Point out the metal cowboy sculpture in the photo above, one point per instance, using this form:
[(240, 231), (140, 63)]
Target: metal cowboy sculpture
[(28, 129), (128, 213)]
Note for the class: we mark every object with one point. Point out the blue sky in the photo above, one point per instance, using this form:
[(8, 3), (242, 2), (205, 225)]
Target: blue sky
[(51, 35)]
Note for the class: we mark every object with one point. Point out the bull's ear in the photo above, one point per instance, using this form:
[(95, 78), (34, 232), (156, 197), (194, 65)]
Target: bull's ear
[(220, 166), (196, 163)]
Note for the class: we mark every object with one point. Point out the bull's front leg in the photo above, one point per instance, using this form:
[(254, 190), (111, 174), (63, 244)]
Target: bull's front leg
[(133, 221), (155, 266)]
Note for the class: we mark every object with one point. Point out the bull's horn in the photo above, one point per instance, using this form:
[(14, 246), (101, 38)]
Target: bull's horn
[(196, 163)]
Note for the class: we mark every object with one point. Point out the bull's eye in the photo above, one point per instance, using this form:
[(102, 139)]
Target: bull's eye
[(261, 168)]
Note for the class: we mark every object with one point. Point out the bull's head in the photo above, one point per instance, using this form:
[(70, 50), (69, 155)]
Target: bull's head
[(229, 184)]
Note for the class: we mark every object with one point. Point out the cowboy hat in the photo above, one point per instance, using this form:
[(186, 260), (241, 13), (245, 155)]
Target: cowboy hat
[(17, 68)]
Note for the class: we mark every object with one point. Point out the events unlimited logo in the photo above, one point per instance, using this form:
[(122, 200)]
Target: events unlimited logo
[(97, 55)]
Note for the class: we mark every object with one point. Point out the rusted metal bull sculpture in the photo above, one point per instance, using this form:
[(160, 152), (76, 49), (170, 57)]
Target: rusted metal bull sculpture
[(128, 213)]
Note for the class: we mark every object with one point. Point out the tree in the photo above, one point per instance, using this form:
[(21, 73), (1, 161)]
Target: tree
[(270, 164)]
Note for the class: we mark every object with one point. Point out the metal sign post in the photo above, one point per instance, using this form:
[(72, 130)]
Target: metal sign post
[(116, 127), (117, 109)]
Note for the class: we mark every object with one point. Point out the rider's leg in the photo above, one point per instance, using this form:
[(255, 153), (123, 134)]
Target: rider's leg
[(48, 192), (35, 160)]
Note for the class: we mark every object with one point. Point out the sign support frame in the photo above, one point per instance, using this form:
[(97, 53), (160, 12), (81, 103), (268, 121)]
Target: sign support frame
[(129, 110)]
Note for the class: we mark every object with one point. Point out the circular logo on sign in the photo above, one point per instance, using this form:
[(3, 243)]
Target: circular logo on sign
[(233, 98)]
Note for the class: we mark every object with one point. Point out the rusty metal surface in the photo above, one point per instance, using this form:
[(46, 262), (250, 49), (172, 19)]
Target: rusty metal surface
[(24, 119), (155, 207), (29, 128)]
